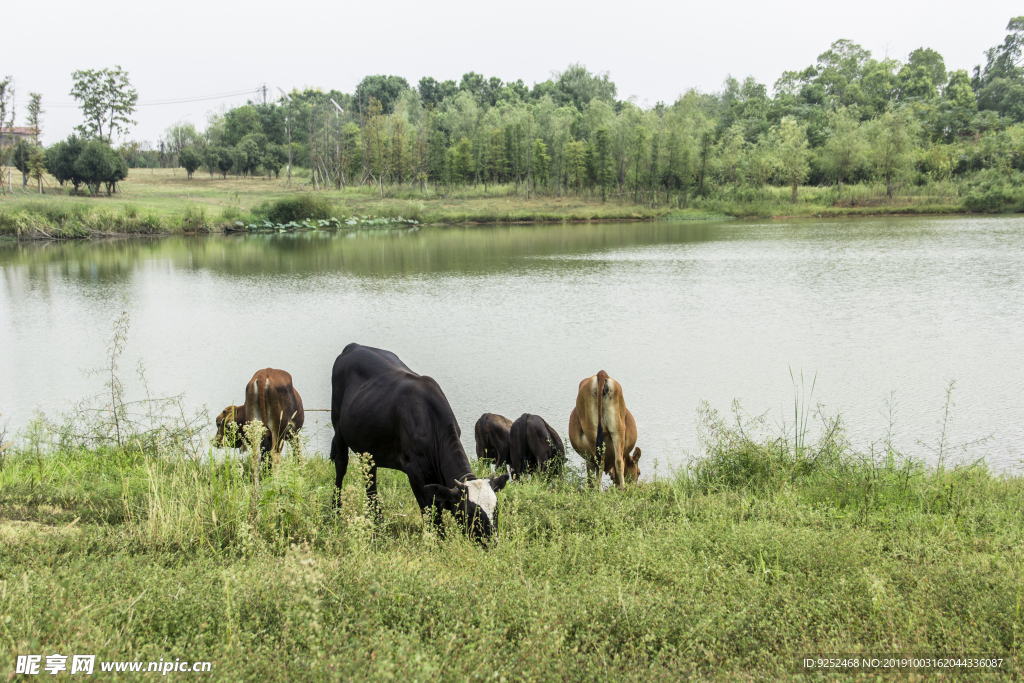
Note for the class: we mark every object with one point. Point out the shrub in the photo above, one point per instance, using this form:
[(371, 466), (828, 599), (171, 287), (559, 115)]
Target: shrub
[(189, 160), (194, 218), (60, 160), (296, 208), (98, 164)]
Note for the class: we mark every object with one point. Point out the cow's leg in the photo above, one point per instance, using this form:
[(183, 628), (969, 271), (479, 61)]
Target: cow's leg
[(619, 474), (598, 471), (339, 454)]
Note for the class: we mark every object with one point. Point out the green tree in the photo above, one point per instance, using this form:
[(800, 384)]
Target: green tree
[(1003, 61), (107, 99), (462, 160), (384, 89), (211, 158), (274, 158), (578, 86), (923, 75), (240, 122), (246, 156), (37, 166), (704, 152), (35, 115), (189, 160), (845, 148), (892, 145), (225, 161), (433, 92), (732, 153), (575, 164), (6, 119), (541, 164), (351, 153), (792, 153), (496, 158), (639, 153), (98, 164), (959, 92), (604, 173), (20, 156), (761, 162), (437, 157), (61, 158)]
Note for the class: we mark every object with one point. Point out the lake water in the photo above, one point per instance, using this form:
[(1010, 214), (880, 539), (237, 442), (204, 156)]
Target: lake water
[(510, 319)]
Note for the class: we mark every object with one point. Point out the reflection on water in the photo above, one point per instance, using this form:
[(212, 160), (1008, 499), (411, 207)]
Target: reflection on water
[(509, 319), (363, 253)]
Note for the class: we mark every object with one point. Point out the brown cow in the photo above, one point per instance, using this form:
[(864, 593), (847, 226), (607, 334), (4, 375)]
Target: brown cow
[(600, 424), (491, 433), (271, 399)]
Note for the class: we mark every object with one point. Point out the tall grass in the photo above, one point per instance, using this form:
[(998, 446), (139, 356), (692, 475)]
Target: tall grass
[(775, 544)]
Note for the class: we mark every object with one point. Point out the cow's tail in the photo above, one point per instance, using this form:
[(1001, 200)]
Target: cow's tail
[(602, 381)]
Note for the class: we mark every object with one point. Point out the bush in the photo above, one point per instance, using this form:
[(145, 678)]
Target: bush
[(61, 158), (99, 164), (989, 191), (189, 160), (194, 218), (296, 208)]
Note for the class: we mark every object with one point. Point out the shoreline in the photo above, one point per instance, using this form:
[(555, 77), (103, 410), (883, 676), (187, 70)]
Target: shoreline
[(34, 233)]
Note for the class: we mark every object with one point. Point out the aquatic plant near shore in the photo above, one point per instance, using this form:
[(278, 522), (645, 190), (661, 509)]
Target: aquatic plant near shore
[(378, 221)]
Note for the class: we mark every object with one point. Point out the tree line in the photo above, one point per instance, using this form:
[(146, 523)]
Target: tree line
[(848, 117)]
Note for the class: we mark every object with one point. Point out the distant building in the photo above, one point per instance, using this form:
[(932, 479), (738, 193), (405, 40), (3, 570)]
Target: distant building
[(10, 136)]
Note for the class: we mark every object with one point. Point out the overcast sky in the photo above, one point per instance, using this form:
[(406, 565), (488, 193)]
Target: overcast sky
[(653, 50)]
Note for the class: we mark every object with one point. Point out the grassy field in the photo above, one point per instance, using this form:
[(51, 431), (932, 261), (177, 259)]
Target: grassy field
[(165, 200), (765, 551), (157, 201)]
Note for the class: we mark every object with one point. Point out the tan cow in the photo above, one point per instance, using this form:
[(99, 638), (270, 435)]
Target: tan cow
[(271, 399), (603, 431)]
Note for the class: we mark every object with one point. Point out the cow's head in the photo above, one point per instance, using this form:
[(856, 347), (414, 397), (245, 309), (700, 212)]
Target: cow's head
[(631, 466), (471, 502), (230, 415)]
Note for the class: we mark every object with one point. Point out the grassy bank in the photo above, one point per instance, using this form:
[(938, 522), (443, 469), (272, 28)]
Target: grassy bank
[(764, 551), (163, 201)]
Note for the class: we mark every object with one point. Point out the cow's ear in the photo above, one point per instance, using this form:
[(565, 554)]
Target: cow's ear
[(441, 494), (636, 454), (498, 483)]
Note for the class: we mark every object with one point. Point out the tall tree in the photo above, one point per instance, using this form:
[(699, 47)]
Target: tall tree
[(575, 164), (792, 153), (604, 174), (35, 114), (37, 166), (107, 99), (891, 145), (578, 86), (189, 160), (6, 119), (845, 148), (384, 89), (541, 163)]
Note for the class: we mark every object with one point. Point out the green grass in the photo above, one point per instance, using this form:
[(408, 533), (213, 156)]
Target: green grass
[(159, 201), (768, 548)]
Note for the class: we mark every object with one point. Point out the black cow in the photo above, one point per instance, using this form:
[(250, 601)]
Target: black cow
[(380, 406), (491, 433), (533, 444)]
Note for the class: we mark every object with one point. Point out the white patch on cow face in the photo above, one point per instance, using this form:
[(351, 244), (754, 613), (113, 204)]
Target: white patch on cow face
[(481, 493)]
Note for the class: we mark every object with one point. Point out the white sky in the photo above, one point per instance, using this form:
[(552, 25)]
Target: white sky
[(654, 50)]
